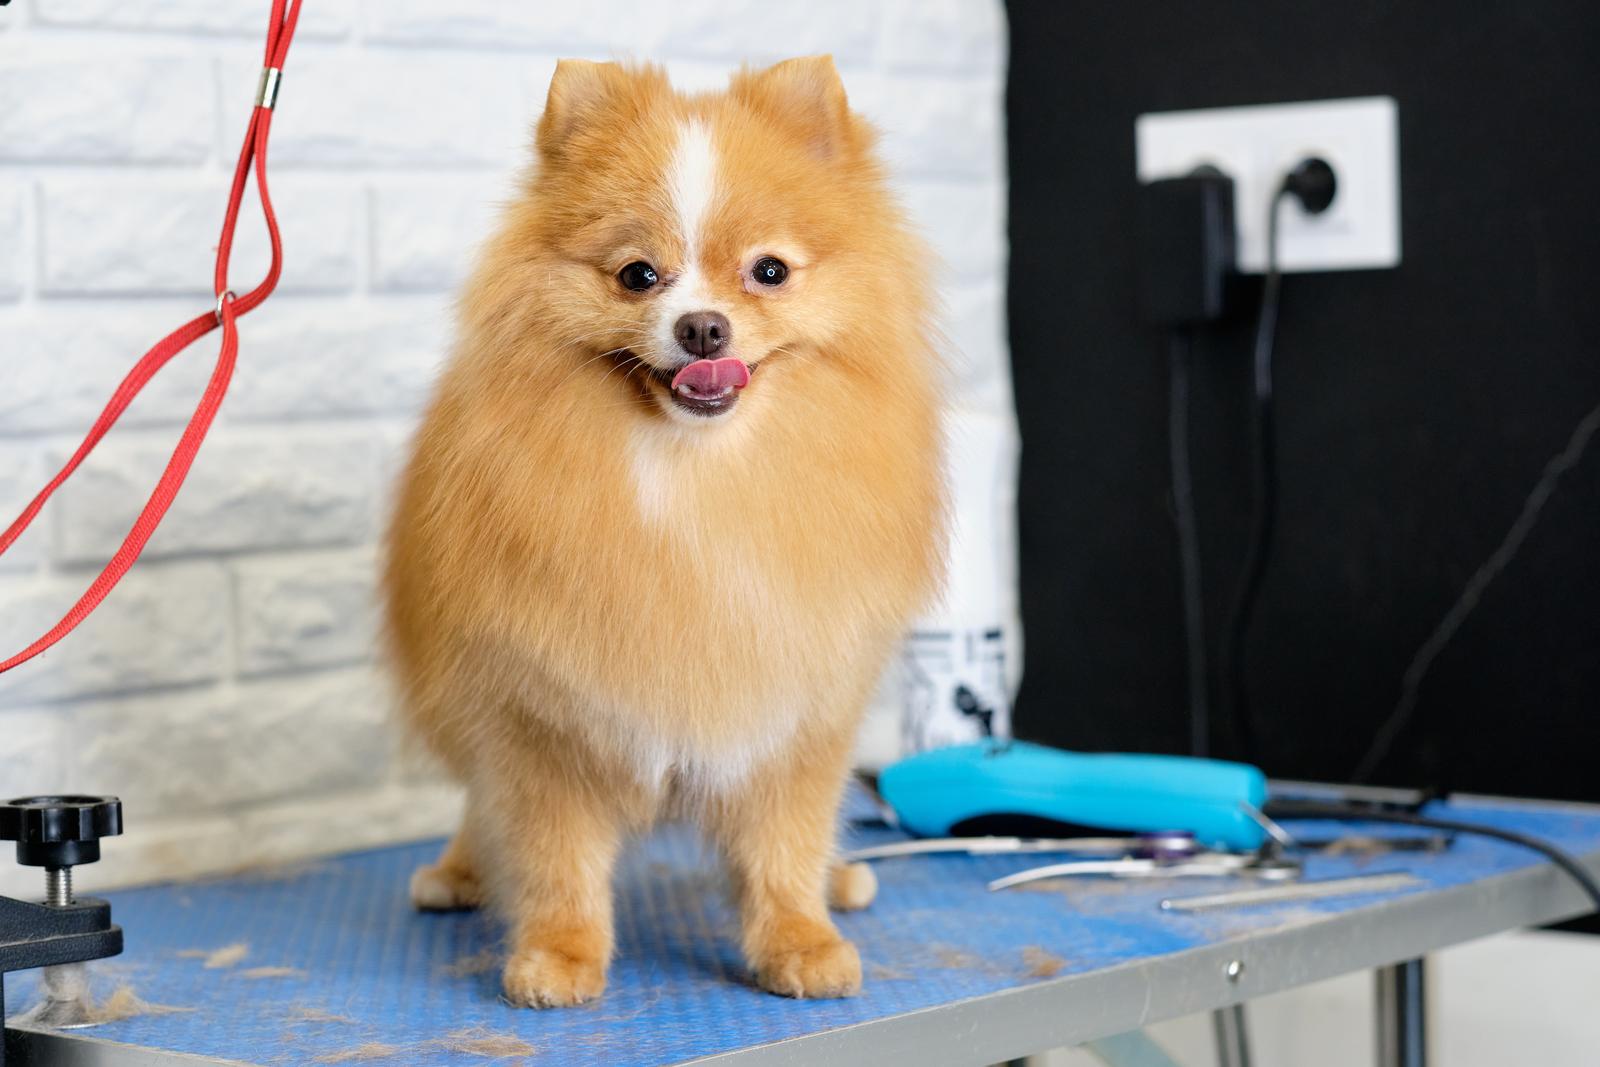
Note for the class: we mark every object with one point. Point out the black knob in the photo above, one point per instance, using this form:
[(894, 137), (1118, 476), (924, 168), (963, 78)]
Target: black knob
[(59, 832)]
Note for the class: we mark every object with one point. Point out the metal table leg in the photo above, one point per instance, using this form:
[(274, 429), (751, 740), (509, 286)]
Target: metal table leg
[(1233, 1041), (1401, 1003)]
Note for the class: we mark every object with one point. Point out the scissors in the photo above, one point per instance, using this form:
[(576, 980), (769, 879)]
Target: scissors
[(1167, 854)]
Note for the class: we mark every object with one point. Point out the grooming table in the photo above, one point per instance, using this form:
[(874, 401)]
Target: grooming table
[(328, 963)]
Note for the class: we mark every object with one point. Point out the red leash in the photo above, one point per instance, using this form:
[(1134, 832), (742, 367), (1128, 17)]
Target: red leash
[(229, 307)]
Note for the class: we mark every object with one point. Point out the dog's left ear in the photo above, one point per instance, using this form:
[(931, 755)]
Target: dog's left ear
[(807, 96)]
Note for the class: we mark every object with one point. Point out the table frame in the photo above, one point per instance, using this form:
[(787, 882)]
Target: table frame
[(1391, 938)]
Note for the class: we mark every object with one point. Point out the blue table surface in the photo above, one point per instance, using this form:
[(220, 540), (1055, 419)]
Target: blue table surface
[(339, 968)]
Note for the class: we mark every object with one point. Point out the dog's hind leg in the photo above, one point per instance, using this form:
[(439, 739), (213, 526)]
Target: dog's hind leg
[(452, 882), (851, 886)]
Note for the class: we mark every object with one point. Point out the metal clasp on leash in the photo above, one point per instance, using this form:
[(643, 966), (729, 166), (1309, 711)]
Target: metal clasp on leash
[(267, 88), (223, 297)]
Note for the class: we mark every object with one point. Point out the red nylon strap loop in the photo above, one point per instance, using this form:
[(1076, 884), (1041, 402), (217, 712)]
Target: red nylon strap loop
[(254, 154)]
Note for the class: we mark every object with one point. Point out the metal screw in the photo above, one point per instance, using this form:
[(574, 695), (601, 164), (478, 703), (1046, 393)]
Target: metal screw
[(58, 886), (1234, 970)]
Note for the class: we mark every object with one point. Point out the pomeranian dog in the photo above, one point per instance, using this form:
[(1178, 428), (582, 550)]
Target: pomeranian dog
[(669, 513)]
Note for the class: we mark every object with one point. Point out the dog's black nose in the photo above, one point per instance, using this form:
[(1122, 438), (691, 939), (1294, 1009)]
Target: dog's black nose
[(701, 333)]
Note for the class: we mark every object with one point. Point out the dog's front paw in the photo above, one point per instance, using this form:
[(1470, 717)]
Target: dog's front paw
[(541, 978), (444, 888), (831, 969)]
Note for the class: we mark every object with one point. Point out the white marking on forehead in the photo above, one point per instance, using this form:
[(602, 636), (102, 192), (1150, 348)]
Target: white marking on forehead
[(692, 179), (691, 185)]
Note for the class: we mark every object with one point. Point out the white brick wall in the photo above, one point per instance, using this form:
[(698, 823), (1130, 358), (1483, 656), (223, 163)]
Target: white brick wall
[(309, 611), (105, 108), (13, 240), (168, 628), (156, 235), (227, 689)]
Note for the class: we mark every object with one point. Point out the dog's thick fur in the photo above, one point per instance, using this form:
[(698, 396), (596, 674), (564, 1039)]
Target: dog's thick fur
[(602, 607)]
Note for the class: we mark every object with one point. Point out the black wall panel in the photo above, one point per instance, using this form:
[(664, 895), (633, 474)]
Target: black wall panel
[(1416, 407)]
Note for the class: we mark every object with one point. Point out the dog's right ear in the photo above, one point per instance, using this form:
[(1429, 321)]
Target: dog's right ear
[(579, 90)]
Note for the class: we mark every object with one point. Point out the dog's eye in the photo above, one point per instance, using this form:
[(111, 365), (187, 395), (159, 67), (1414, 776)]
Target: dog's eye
[(638, 276), (769, 271)]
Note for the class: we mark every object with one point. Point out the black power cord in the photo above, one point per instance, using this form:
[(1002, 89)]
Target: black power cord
[(1187, 242), (1313, 183), (1299, 809), (1411, 682), (1179, 354)]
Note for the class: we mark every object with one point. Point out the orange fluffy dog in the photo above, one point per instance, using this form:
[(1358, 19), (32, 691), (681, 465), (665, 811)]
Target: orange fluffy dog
[(669, 513)]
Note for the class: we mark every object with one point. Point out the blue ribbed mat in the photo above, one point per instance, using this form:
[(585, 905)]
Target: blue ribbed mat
[(338, 964)]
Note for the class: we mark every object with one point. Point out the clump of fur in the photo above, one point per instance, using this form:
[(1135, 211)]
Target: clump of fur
[(67, 1000), (1039, 963), (218, 958), (272, 972), (480, 1041), (371, 1050), (602, 605)]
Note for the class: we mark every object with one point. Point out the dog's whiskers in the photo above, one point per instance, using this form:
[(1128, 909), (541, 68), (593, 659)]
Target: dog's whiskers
[(609, 354)]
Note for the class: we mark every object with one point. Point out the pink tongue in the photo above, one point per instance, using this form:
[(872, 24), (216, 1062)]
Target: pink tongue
[(709, 377)]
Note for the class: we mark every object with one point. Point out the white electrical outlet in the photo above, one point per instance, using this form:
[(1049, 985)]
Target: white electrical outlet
[(1257, 145)]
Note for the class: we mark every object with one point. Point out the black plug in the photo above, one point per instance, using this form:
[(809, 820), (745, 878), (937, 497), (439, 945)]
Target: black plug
[(1187, 247), (1313, 183)]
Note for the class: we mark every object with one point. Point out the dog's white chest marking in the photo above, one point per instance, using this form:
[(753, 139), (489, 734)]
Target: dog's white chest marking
[(716, 769), (650, 463), (672, 465)]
